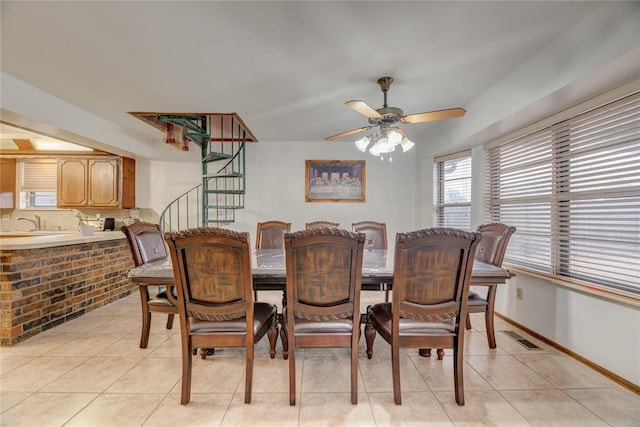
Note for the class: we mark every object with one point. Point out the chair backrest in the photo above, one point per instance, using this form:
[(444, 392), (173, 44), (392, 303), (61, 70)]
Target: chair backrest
[(318, 224), (212, 269), (270, 234), (432, 273), (492, 247), (376, 233), (324, 273), (145, 241)]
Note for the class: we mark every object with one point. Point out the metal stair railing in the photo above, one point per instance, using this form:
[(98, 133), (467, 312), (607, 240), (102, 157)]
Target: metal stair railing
[(214, 202)]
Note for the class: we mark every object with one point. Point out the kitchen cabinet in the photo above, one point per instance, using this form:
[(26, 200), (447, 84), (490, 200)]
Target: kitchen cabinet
[(98, 182), (7, 183)]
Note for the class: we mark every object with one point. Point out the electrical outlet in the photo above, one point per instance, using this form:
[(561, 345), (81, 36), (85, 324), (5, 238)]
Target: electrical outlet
[(519, 293)]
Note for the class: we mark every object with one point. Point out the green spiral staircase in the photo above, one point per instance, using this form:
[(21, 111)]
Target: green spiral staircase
[(222, 138)]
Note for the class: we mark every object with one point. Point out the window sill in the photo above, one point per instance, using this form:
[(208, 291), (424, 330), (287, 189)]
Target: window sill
[(589, 288)]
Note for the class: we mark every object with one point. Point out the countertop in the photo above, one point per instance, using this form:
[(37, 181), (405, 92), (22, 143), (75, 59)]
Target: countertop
[(46, 239)]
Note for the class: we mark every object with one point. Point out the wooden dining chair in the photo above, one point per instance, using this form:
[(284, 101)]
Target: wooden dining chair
[(324, 279), (431, 278), (318, 224), (491, 249), (270, 234), (147, 244), (376, 233), (212, 269)]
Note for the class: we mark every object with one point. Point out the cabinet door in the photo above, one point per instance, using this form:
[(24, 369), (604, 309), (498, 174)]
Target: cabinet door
[(128, 184), (72, 183), (7, 183), (103, 180)]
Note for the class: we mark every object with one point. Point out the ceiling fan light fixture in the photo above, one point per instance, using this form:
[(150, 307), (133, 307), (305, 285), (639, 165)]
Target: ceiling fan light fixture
[(362, 143), (406, 144), (375, 150), (394, 137)]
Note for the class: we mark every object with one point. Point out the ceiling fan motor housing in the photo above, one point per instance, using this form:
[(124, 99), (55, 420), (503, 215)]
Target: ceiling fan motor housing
[(389, 115)]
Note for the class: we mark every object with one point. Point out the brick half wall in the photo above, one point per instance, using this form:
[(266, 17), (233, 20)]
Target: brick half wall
[(43, 288)]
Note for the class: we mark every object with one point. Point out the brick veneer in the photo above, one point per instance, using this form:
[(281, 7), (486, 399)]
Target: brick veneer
[(42, 288)]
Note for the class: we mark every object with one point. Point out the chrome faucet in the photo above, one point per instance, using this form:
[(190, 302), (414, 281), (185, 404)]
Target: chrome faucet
[(35, 222)]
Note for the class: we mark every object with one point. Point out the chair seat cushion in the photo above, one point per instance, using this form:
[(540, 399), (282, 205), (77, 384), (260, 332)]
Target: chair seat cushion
[(476, 300), (305, 326), (380, 315), (160, 299), (262, 315)]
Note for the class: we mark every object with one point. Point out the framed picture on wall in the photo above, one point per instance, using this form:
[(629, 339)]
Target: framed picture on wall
[(335, 181)]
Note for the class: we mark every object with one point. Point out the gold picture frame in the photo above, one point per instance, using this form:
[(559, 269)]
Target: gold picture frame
[(335, 181)]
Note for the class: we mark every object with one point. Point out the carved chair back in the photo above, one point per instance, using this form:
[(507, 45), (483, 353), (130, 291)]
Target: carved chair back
[(376, 233), (270, 234)]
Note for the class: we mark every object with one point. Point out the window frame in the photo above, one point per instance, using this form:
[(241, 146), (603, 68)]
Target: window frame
[(33, 189), (440, 187)]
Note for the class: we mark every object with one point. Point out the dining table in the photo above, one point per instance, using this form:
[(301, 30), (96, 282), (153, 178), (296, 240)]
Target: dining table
[(269, 271)]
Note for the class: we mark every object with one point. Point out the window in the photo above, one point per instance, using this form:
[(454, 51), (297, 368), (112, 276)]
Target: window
[(452, 190), (572, 189), (37, 181)]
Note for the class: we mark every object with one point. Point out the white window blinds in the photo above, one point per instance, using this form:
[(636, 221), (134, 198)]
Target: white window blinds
[(38, 175), (452, 190), (572, 189)]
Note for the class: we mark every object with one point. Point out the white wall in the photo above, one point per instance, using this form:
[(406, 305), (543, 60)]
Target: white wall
[(600, 52), (276, 188)]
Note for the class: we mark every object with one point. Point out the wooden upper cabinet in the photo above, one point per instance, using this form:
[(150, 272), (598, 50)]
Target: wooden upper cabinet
[(7, 183), (72, 183), (104, 182)]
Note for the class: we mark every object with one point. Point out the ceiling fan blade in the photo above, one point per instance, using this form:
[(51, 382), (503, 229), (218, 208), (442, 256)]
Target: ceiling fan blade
[(434, 115), (364, 109), (349, 132)]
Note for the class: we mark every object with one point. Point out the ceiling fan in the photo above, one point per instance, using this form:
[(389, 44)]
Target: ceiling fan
[(387, 116)]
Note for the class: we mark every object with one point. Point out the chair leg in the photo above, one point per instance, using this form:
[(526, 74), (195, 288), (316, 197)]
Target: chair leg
[(204, 352), (170, 321), (272, 334), (285, 341), (386, 296), (292, 372), (369, 336), (186, 370), (395, 372), (489, 315), (457, 374), (146, 316), (354, 364), (468, 322), (255, 295), (249, 374), (424, 352)]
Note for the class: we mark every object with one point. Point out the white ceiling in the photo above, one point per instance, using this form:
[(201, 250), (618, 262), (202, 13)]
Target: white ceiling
[(285, 67)]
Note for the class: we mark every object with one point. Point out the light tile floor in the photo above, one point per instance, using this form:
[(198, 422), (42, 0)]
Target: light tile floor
[(90, 372)]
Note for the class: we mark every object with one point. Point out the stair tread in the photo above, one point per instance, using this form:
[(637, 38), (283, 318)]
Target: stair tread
[(223, 175), (225, 191), (212, 157)]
